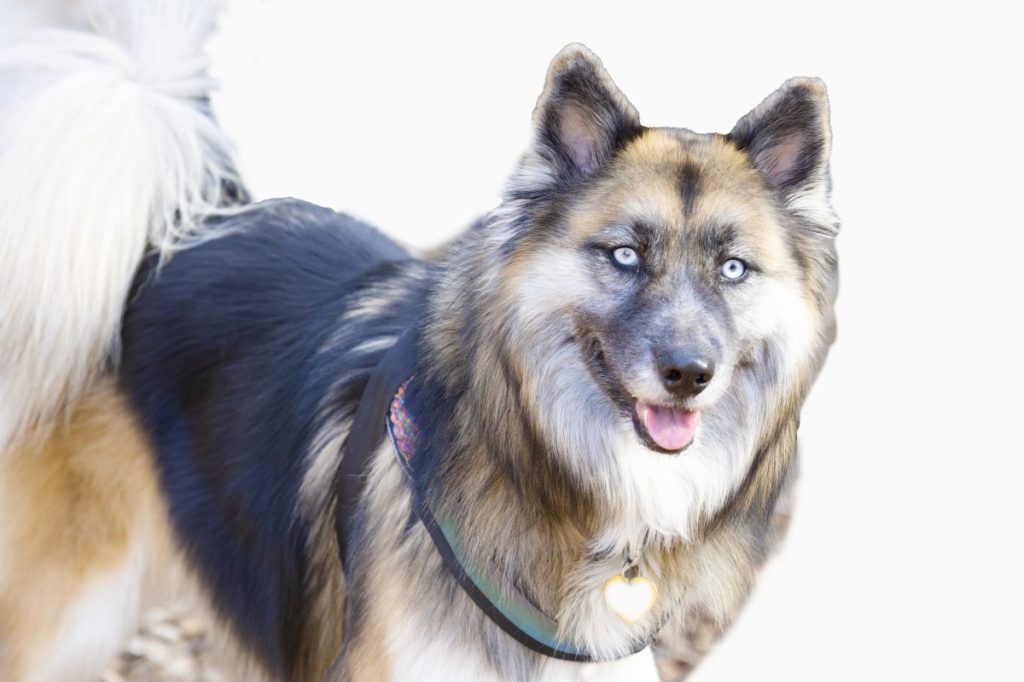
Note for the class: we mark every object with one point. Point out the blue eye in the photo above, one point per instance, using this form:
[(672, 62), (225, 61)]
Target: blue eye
[(733, 269), (626, 257)]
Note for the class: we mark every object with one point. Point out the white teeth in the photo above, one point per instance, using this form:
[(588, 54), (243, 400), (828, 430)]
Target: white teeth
[(644, 413)]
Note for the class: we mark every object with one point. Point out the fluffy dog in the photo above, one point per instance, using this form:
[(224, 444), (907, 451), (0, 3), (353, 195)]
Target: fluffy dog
[(520, 457)]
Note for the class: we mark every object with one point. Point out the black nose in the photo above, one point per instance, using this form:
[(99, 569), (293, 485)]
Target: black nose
[(685, 375)]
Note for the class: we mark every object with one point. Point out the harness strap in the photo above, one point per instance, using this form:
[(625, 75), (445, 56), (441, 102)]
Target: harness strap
[(368, 431), (506, 606)]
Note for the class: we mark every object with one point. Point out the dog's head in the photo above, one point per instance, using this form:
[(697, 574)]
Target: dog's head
[(664, 291)]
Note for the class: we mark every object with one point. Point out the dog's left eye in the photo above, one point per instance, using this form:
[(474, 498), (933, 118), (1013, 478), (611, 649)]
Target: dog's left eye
[(626, 257), (733, 269)]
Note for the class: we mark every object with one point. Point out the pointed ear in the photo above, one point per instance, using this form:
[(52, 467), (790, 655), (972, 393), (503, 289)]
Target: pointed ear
[(581, 118), (788, 138)]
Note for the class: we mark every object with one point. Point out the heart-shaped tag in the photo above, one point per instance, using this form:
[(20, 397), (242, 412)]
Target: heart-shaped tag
[(630, 598)]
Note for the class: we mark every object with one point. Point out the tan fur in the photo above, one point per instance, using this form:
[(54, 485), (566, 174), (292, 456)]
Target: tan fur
[(368, 658), (71, 509), (82, 507), (327, 590)]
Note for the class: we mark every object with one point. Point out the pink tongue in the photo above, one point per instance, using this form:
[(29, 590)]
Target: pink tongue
[(671, 428)]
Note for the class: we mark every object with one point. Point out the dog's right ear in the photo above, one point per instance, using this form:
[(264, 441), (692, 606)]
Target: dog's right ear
[(581, 120)]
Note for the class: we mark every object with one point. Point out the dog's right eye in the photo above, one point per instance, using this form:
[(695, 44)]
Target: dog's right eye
[(626, 257)]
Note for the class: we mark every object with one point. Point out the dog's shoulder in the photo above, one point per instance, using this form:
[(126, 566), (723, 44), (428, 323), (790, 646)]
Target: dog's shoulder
[(230, 355)]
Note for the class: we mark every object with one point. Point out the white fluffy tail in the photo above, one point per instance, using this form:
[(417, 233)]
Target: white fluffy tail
[(107, 147)]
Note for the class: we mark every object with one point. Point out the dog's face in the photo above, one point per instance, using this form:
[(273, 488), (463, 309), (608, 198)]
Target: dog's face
[(657, 274), (681, 253)]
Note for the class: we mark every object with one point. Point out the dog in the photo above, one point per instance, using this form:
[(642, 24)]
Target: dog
[(520, 456)]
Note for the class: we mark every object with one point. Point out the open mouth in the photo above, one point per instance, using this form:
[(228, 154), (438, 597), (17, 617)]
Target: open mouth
[(665, 429), (668, 429)]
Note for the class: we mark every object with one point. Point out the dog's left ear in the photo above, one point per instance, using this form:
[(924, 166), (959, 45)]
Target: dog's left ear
[(788, 138), (581, 118)]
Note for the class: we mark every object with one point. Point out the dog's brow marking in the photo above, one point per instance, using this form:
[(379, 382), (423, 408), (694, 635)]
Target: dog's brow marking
[(646, 234), (717, 239), (689, 187)]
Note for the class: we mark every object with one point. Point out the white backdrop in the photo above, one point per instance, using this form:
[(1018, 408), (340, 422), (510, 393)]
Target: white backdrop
[(904, 560)]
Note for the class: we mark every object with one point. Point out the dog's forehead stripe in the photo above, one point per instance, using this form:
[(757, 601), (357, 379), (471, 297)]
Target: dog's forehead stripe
[(689, 186), (699, 184), (684, 176)]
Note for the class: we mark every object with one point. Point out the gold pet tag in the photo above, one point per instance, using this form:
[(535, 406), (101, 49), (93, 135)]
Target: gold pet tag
[(630, 595)]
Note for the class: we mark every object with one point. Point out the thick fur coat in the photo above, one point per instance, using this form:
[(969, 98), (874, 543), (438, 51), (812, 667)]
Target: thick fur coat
[(610, 370)]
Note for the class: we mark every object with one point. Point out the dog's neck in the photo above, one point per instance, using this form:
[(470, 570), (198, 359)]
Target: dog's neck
[(522, 519), (522, 523)]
